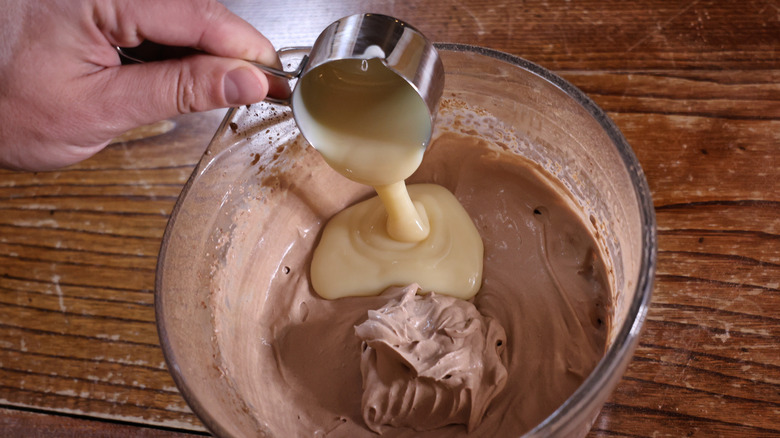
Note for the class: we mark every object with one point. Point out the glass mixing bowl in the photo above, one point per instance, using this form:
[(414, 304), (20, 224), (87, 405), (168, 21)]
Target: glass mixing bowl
[(564, 132)]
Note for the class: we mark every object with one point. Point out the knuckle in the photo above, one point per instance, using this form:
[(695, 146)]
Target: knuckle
[(187, 99)]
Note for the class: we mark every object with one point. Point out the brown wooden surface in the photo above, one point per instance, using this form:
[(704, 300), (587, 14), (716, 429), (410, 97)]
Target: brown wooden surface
[(693, 85)]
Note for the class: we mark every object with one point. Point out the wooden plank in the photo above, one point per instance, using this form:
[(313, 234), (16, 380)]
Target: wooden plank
[(28, 424), (562, 35)]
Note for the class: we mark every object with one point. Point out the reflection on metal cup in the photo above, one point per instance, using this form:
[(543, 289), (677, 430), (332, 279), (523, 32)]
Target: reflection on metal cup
[(401, 47)]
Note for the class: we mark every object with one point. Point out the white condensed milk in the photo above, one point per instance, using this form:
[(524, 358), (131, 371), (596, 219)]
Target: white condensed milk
[(371, 126)]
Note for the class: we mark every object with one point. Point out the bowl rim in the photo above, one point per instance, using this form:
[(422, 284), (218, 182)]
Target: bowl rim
[(617, 355)]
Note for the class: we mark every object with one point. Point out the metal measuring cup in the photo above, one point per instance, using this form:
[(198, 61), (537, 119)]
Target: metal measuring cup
[(401, 48)]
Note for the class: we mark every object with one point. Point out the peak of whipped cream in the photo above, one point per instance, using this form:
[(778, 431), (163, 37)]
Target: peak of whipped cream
[(428, 361)]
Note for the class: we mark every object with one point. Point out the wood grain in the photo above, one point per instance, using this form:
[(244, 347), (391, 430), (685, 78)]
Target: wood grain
[(30, 424), (693, 85)]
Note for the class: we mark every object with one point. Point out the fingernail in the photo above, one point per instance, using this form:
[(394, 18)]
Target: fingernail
[(242, 87)]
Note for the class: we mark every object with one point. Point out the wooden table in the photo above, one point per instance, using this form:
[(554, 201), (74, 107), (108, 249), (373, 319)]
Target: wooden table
[(695, 88)]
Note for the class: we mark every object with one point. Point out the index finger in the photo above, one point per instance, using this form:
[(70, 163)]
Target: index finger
[(202, 24)]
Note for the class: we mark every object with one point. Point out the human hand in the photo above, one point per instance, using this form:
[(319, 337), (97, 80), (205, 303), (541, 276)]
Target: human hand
[(64, 93)]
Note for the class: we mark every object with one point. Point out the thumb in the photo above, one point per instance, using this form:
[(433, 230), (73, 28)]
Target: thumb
[(158, 90)]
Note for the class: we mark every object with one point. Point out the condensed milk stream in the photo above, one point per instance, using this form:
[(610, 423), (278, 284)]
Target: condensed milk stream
[(371, 126)]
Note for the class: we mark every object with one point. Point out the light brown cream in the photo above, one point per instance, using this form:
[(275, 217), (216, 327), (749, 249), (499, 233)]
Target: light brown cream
[(294, 357), (428, 361)]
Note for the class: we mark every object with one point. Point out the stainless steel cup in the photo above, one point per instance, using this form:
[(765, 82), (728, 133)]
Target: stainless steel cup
[(400, 47)]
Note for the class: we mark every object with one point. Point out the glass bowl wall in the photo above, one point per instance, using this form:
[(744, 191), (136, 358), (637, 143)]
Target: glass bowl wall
[(564, 132)]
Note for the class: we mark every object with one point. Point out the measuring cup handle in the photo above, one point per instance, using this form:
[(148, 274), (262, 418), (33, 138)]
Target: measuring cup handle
[(149, 51), (284, 74), (291, 74)]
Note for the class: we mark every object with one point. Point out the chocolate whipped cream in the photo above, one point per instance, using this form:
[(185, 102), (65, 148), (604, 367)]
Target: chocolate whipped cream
[(428, 361), (293, 359)]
